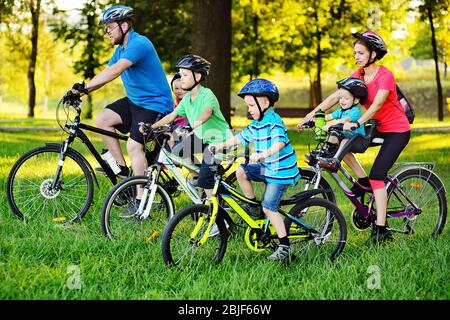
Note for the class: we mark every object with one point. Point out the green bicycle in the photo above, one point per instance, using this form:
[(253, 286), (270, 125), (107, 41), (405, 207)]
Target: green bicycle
[(315, 226)]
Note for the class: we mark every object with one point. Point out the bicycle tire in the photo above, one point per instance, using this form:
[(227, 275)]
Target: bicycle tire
[(327, 219), (176, 238), (425, 190), (309, 176), (64, 204), (121, 198)]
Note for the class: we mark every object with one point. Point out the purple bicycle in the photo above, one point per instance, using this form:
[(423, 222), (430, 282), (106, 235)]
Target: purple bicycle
[(416, 196)]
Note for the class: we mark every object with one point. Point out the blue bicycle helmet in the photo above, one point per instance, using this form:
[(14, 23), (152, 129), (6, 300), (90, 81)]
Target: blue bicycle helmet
[(116, 13), (260, 88)]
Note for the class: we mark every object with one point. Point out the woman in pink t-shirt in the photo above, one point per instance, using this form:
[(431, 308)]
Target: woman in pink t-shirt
[(382, 104)]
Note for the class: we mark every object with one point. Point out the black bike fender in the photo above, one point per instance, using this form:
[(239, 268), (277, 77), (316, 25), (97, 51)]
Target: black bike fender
[(58, 146), (302, 196)]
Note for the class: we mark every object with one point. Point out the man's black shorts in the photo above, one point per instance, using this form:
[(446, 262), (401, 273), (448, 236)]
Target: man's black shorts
[(131, 115)]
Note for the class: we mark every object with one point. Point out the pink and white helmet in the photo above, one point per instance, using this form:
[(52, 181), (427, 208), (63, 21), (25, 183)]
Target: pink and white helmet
[(373, 41)]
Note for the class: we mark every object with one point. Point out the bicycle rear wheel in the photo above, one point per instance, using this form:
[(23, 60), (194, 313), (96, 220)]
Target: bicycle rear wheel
[(308, 180), (118, 212), (29, 191), (181, 249), (330, 230), (427, 192)]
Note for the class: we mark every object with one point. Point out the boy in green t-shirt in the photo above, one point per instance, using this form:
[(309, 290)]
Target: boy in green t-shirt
[(202, 109)]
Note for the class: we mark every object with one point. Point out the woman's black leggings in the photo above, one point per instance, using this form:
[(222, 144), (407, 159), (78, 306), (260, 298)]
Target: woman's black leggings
[(391, 148)]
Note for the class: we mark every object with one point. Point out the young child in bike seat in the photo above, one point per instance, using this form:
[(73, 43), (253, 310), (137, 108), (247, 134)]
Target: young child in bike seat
[(352, 91), (181, 124), (274, 160), (202, 110)]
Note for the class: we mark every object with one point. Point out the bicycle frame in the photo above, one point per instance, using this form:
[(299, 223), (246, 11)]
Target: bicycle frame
[(75, 131), (166, 161), (366, 210), (230, 195)]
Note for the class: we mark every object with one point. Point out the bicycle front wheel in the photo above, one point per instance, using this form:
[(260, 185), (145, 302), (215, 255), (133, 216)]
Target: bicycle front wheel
[(180, 243), (322, 231), (427, 192), (33, 193), (119, 219)]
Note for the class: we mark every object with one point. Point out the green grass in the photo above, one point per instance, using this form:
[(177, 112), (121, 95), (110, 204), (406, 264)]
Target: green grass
[(36, 259)]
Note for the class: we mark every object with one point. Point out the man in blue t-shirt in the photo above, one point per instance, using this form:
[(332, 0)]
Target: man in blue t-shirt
[(148, 96)]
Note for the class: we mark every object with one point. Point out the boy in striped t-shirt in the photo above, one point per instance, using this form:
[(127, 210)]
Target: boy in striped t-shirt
[(274, 161)]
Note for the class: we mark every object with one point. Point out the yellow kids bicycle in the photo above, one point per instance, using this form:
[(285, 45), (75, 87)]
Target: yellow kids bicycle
[(315, 226)]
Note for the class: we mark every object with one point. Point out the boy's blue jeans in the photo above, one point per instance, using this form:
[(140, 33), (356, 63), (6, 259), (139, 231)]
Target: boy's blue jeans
[(274, 191)]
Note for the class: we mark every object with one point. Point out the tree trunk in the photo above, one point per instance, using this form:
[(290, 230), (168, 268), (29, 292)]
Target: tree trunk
[(211, 39), (315, 82), (256, 61), (445, 69), (318, 87), (34, 9), (90, 72), (436, 63), (313, 92)]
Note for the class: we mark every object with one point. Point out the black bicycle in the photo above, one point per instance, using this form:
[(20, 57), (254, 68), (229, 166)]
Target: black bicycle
[(56, 181)]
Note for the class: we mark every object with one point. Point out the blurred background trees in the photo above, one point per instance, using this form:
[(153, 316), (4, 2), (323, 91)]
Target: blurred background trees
[(307, 45)]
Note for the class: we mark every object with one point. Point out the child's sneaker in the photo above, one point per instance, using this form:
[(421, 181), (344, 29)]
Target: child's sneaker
[(193, 181), (331, 164), (130, 211), (254, 211), (282, 253)]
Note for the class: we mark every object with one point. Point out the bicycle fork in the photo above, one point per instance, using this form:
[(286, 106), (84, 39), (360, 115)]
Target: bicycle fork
[(62, 157), (213, 203), (148, 195)]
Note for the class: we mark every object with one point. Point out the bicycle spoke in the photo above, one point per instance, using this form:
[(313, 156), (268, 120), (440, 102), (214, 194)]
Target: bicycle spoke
[(426, 191), (28, 188)]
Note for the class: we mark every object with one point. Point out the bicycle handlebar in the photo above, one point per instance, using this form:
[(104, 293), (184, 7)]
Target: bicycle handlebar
[(147, 128), (309, 125), (231, 160)]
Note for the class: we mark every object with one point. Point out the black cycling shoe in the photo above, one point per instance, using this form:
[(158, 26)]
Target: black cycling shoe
[(358, 191), (254, 211), (381, 234)]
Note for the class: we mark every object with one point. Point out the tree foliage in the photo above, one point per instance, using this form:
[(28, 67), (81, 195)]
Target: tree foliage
[(167, 23), (310, 38), (87, 39)]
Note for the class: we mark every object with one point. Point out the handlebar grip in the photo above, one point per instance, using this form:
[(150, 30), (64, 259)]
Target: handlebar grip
[(145, 127), (71, 98)]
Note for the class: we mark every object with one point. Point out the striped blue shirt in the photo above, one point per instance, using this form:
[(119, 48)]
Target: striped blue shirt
[(281, 167)]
